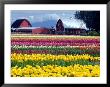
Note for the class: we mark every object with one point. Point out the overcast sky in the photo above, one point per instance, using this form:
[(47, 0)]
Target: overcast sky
[(33, 16)]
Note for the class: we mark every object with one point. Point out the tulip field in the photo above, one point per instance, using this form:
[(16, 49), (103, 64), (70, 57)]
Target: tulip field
[(55, 56)]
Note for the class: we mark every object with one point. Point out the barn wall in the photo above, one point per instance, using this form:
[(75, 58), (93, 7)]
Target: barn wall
[(75, 31), (24, 24), (40, 31)]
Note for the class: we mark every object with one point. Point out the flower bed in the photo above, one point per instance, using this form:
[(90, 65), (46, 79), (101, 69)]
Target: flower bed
[(55, 56)]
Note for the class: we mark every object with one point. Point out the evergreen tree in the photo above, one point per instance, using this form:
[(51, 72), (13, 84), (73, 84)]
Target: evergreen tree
[(91, 18)]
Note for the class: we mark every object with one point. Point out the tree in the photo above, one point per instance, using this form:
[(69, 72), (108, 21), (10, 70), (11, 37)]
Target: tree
[(91, 18)]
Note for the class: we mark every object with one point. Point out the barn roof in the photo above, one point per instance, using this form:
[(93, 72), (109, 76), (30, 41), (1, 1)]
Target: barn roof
[(30, 28), (17, 23)]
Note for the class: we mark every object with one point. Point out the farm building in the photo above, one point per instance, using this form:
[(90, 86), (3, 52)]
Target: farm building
[(68, 31), (24, 26), (75, 31), (42, 30), (33, 30), (21, 23)]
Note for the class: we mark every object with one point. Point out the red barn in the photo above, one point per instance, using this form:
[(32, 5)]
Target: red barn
[(33, 30), (21, 23), (40, 31)]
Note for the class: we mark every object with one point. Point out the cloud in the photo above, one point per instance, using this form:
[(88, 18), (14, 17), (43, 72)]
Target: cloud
[(45, 17), (31, 17), (23, 17)]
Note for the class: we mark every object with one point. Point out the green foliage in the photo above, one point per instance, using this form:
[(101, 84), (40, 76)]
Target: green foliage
[(91, 18), (59, 50), (93, 33), (51, 62)]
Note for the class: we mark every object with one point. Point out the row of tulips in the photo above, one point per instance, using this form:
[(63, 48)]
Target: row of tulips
[(50, 36), (72, 41), (41, 57), (89, 40), (55, 50), (54, 44), (56, 71), (58, 52), (23, 47), (59, 47)]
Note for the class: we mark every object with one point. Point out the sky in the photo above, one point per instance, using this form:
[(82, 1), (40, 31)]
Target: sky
[(40, 16)]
